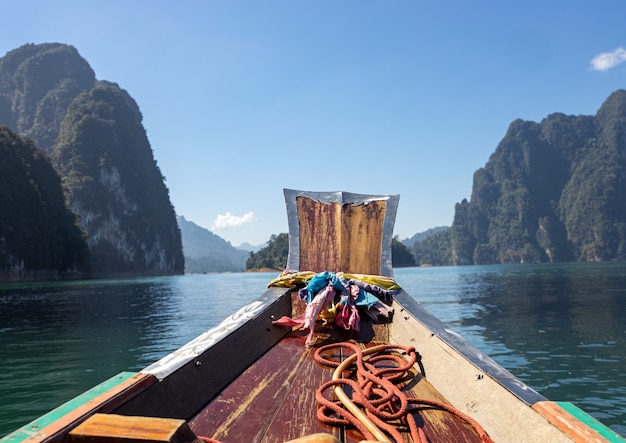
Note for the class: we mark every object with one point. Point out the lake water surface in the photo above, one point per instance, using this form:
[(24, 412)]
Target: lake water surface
[(560, 328)]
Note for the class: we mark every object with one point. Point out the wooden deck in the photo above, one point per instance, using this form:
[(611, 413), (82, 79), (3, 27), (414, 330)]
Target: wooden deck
[(274, 399)]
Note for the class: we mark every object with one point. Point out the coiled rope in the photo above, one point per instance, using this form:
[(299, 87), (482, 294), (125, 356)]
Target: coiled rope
[(377, 408)]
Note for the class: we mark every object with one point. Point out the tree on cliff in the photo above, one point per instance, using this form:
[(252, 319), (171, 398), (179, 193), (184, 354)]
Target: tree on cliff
[(273, 256)]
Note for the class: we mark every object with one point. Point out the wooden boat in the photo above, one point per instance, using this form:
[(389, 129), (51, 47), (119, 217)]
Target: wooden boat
[(252, 380)]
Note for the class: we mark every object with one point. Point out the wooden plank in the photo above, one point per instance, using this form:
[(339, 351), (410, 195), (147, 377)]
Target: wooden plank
[(268, 401), (53, 426), (297, 416), (320, 226), (362, 237), (274, 400), (316, 438), (576, 423), (112, 428), (372, 331)]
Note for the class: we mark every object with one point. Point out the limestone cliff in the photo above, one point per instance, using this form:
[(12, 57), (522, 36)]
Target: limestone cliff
[(94, 134)]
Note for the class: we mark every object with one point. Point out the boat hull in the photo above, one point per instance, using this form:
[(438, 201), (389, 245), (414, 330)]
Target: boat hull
[(250, 379)]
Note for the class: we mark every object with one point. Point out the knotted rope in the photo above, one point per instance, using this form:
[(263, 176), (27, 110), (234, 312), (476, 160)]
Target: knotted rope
[(378, 408)]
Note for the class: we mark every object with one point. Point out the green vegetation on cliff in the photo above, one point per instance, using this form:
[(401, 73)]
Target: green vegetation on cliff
[(112, 181), (551, 191), (37, 84), (273, 256), (401, 256), (433, 249), (39, 236)]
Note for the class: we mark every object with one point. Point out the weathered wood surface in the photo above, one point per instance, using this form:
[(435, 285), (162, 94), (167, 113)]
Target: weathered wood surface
[(576, 423), (335, 237), (274, 400), (340, 231), (113, 428)]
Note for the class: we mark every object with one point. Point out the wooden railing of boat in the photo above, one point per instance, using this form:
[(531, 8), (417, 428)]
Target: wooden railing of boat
[(250, 380)]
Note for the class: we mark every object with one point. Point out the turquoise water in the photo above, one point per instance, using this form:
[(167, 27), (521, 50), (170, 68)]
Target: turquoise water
[(558, 327)]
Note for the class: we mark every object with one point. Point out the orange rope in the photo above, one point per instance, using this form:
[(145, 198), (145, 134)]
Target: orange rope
[(375, 390)]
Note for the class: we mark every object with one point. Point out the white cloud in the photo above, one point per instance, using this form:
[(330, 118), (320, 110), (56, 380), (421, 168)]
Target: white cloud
[(608, 60), (229, 220)]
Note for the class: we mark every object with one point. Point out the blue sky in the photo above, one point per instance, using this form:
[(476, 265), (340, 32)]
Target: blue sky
[(241, 99)]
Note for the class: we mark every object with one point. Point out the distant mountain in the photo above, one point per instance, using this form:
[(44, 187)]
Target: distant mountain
[(433, 249), (207, 252), (251, 248), (93, 132), (408, 242)]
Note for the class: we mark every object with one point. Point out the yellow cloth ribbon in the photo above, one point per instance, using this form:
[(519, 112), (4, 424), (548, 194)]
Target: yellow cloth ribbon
[(288, 279)]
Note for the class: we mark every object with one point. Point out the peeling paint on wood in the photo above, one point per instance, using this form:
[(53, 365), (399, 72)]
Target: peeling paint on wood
[(336, 237)]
